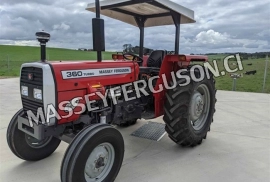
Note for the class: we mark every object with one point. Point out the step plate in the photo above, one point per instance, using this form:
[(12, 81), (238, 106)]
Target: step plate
[(152, 131)]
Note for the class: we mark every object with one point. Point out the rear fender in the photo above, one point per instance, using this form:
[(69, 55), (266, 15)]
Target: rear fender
[(172, 63)]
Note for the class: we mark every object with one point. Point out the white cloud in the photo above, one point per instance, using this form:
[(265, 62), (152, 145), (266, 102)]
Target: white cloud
[(212, 37), (27, 42), (222, 25), (61, 26)]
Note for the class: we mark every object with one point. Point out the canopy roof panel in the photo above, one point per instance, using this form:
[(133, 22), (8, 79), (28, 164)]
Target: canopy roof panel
[(156, 12), (144, 9)]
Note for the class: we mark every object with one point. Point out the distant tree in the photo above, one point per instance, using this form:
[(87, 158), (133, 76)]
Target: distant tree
[(127, 48), (244, 56)]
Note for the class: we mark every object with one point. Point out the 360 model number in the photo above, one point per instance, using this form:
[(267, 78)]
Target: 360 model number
[(74, 73)]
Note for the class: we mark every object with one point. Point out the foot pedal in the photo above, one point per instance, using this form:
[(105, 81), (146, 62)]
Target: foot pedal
[(152, 131)]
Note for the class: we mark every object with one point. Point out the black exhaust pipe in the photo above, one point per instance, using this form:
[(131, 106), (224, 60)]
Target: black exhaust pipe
[(43, 38), (98, 33)]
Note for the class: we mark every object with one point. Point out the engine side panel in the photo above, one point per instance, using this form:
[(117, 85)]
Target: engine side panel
[(70, 85), (82, 81), (68, 97)]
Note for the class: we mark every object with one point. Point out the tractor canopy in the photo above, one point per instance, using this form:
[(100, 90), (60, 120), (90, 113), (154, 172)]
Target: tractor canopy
[(154, 12), (143, 13)]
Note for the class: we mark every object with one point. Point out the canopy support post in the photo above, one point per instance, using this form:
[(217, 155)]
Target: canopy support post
[(140, 22), (176, 18)]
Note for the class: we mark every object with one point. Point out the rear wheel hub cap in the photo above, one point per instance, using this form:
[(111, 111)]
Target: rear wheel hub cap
[(196, 107)]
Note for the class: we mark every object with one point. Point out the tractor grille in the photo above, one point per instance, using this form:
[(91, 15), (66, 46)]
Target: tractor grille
[(36, 81), (37, 76), (31, 105)]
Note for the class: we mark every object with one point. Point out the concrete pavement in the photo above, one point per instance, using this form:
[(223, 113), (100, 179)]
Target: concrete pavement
[(236, 149)]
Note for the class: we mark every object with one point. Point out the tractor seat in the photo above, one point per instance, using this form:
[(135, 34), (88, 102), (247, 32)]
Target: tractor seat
[(155, 59), (153, 62)]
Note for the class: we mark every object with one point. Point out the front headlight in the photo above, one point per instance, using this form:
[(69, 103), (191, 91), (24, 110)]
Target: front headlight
[(24, 90), (37, 94)]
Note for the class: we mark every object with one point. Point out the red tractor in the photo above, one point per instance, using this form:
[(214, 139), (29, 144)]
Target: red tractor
[(79, 102)]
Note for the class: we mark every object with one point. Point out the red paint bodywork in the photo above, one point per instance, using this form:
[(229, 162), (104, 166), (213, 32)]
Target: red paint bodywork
[(79, 87), (67, 89)]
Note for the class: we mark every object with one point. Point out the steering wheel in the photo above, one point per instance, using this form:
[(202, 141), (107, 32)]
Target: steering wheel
[(136, 58)]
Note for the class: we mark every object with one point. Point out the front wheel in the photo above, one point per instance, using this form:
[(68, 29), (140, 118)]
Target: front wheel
[(94, 155), (25, 146), (189, 109)]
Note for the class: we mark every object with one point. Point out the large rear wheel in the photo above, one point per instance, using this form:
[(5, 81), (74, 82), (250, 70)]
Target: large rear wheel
[(189, 109), (94, 155), (25, 146)]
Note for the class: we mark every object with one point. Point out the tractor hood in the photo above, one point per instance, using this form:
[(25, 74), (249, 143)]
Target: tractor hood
[(155, 13)]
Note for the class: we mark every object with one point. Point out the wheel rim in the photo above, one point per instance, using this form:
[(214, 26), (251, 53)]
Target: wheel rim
[(199, 107), (99, 163), (35, 143)]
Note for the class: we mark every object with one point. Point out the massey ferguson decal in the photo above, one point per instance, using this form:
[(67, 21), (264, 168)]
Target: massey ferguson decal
[(70, 74)]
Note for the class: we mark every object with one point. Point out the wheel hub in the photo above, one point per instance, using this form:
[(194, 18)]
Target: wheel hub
[(35, 143), (197, 105), (99, 162)]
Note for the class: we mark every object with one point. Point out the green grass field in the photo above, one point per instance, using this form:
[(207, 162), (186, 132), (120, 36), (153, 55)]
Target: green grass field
[(22, 54), (247, 83)]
